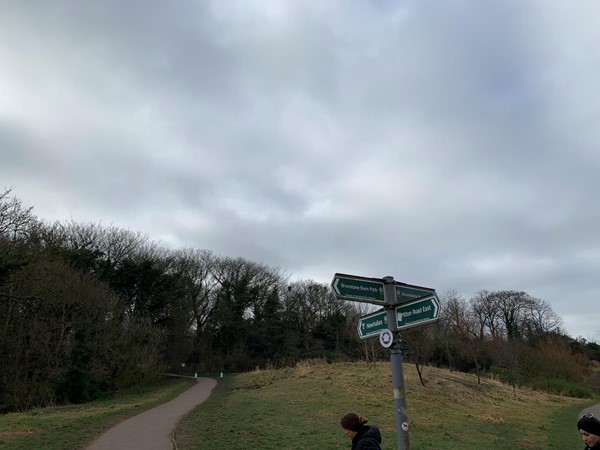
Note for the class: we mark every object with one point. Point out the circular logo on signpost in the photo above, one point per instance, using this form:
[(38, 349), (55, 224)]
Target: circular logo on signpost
[(386, 338)]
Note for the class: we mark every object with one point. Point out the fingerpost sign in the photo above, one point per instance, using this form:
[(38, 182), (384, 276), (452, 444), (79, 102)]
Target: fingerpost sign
[(404, 306), (372, 325), (358, 289), (417, 313)]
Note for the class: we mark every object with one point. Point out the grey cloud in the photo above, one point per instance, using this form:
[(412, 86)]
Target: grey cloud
[(448, 145)]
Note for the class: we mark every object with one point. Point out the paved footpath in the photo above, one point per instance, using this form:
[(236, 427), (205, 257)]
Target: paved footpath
[(153, 429), (595, 410)]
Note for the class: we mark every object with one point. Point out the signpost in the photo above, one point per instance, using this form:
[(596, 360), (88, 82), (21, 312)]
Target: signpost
[(408, 292), (370, 290), (405, 306), (417, 313), (372, 325), (358, 289)]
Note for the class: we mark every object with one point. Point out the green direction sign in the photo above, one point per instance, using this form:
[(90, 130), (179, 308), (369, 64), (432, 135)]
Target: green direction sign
[(358, 289), (417, 313), (408, 292), (372, 324)]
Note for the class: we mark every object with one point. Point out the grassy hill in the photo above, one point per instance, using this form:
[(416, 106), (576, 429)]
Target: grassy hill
[(72, 426), (299, 408)]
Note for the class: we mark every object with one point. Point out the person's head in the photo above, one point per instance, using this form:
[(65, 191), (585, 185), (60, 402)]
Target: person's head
[(589, 428), (352, 423)]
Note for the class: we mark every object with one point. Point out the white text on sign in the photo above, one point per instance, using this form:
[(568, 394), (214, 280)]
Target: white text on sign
[(415, 311), (359, 288), (376, 323)]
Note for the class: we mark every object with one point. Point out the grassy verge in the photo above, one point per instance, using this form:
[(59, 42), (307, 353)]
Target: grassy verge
[(300, 408), (71, 427), (563, 426)]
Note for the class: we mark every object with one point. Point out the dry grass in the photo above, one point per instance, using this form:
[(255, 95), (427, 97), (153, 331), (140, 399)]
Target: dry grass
[(300, 407), (452, 411)]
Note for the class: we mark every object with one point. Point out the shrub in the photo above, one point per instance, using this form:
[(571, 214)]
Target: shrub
[(562, 387)]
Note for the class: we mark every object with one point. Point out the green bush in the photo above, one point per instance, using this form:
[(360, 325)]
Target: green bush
[(562, 387), (78, 386)]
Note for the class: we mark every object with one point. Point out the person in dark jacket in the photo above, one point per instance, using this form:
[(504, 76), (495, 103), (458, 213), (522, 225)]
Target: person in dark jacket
[(589, 428), (364, 437)]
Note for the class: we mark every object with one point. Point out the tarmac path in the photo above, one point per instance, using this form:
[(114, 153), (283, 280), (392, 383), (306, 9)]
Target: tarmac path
[(153, 429), (595, 410)]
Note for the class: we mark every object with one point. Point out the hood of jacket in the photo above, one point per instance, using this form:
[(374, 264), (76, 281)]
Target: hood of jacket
[(368, 437)]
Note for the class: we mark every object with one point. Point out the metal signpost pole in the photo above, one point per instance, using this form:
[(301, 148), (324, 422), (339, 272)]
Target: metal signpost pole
[(404, 306), (389, 292)]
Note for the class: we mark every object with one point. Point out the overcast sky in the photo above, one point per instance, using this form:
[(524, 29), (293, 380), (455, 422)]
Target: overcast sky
[(451, 144)]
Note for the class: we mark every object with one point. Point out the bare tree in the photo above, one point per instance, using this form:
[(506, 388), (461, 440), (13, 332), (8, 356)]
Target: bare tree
[(463, 322), (15, 220), (487, 314), (539, 319), (420, 341)]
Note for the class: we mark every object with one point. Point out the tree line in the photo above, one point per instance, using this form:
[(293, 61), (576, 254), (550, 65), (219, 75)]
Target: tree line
[(87, 310)]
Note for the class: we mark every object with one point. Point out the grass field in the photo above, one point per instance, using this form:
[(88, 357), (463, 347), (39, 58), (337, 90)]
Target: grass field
[(71, 427), (300, 408)]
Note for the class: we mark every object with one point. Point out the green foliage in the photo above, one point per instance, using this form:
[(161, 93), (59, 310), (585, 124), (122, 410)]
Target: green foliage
[(562, 387), (78, 384), (65, 337), (594, 350)]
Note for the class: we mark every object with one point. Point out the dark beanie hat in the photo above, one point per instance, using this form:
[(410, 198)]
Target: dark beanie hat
[(352, 421), (589, 423)]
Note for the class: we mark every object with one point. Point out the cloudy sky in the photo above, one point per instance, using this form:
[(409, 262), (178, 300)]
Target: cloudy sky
[(451, 144)]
